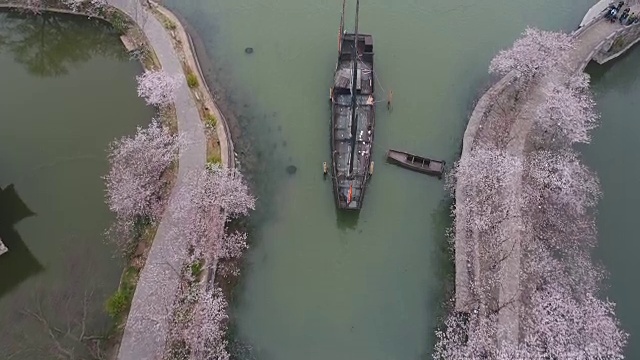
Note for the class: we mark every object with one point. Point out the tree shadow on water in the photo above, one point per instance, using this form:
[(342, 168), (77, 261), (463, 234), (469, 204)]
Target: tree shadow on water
[(61, 318), (49, 44), (18, 263), (444, 269)]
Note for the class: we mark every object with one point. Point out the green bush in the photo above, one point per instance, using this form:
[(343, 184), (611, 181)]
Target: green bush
[(196, 268), (192, 80), (214, 160), (168, 24), (211, 121), (118, 303), (618, 44), (119, 22)]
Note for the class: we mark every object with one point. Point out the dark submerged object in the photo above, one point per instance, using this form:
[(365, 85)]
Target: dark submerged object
[(352, 116), (416, 163), (248, 50), (291, 169)]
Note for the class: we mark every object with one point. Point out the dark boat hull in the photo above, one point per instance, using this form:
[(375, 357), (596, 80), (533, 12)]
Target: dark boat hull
[(352, 122), (416, 163)]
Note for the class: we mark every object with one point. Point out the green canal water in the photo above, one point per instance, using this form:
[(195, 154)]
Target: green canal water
[(614, 155), (318, 284), (67, 88)]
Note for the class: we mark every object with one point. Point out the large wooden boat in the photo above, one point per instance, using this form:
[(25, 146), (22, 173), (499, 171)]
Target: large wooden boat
[(352, 117), (416, 163)]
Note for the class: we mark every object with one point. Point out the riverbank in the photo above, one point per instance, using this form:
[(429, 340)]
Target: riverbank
[(507, 133), (173, 54), (53, 161)]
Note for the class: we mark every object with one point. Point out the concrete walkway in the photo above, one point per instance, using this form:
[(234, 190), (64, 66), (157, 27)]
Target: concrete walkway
[(147, 325)]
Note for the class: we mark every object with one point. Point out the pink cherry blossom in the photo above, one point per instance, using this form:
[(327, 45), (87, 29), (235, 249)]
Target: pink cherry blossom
[(536, 51), (158, 88)]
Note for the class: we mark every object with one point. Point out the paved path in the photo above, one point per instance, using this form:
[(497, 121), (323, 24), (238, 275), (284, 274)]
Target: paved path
[(146, 329)]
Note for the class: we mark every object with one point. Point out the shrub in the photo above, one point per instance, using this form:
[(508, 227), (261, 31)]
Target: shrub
[(118, 303), (192, 80), (119, 22), (168, 24), (196, 268), (214, 159), (211, 121)]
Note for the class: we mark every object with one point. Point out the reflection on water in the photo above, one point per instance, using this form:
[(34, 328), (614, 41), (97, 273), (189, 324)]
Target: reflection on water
[(67, 89), (19, 263), (57, 321), (48, 44)]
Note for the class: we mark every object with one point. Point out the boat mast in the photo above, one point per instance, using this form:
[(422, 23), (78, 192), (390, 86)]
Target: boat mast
[(354, 89), (341, 33)]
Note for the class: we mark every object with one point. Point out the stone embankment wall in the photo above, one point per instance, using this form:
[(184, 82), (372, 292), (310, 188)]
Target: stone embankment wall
[(617, 44)]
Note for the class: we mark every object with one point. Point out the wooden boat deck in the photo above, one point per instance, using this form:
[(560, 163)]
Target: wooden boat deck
[(352, 116), (352, 139)]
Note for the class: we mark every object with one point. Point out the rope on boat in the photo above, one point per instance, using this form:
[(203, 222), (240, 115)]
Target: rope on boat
[(375, 74)]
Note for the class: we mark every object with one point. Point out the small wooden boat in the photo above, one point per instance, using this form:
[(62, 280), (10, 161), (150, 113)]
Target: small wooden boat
[(416, 163)]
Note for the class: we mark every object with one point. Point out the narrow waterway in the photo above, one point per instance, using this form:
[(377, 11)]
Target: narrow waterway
[(614, 156), (323, 285), (67, 90)]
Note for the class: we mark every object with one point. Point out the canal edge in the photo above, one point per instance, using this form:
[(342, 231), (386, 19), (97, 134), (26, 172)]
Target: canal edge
[(188, 59)]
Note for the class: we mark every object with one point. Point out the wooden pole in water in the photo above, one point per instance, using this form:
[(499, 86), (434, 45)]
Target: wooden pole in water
[(341, 28), (354, 90)]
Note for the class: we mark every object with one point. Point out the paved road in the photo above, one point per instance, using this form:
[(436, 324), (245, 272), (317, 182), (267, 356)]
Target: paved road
[(146, 329)]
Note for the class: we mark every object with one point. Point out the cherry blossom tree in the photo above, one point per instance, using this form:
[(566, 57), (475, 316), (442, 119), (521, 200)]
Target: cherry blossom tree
[(561, 322), (485, 173), (487, 216), (33, 6), (158, 88), (467, 336), (207, 202), (207, 331), (561, 326), (135, 182), (452, 340), (90, 5), (536, 51), (535, 202), (568, 112), (204, 204), (560, 193), (561, 178)]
